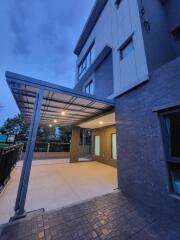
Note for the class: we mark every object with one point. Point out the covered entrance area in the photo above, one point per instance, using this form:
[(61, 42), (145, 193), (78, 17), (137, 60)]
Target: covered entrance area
[(56, 183), (46, 103)]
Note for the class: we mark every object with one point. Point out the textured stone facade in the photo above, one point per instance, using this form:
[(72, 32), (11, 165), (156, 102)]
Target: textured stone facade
[(142, 163)]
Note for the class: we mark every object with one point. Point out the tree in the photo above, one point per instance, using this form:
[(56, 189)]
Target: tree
[(45, 133), (16, 126), (65, 134)]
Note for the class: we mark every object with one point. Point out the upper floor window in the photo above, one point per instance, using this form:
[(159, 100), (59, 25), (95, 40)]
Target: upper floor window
[(176, 33), (126, 49), (89, 88), (117, 2), (86, 62)]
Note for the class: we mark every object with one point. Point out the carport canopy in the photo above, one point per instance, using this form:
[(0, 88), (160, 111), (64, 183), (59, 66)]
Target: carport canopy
[(60, 105), (46, 103)]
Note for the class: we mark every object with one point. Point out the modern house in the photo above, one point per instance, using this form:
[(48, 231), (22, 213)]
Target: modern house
[(127, 90), (129, 51)]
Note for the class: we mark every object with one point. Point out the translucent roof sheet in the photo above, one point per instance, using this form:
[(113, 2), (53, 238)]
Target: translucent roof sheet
[(66, 106)]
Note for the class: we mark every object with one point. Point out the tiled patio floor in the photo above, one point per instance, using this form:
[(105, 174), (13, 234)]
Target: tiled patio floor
[(57, 183), (111, 216)]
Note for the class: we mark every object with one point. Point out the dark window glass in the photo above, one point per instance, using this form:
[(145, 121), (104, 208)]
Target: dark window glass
[(172, 148), (117, 2), (89, 88), (176, 33), (86, 62)]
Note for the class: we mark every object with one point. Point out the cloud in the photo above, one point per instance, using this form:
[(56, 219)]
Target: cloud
[(46, 32), (18, 18)]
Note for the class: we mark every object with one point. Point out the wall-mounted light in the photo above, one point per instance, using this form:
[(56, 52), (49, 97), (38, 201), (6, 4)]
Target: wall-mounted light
[(50, 125)]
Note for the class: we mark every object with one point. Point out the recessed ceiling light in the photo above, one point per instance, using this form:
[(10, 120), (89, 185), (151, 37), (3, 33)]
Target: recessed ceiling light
[(50, 125), (100, 122), (63, 113), (55, 121)]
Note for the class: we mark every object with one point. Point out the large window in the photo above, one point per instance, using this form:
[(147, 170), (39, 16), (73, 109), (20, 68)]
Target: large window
[(113, 146), (89, 88), (126, 49), (97, 145), (86, 62), (171, 133)]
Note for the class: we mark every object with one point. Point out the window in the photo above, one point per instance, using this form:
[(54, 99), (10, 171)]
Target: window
[(117, 2), (113, 146), (126, 49), (171, 130), (176, 33), (86, 62), (89, 88), (97, 145)]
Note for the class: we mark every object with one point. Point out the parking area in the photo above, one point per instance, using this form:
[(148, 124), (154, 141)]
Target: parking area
[(58, 183)]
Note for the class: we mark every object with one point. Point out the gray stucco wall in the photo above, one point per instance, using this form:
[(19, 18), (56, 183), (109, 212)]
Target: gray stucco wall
[(157, 41), (142, 165), (172, 9), (102, 77)]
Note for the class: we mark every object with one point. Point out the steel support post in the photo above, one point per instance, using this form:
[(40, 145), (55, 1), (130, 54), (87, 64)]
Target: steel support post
[(24, 180)]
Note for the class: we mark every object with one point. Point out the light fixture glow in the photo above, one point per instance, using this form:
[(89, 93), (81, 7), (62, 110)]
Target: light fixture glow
[(63, 113), (100, 122), (55, 121), (50, 125)]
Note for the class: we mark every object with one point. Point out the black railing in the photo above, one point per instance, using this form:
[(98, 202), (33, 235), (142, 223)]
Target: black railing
[(50, 147), (9, 155)]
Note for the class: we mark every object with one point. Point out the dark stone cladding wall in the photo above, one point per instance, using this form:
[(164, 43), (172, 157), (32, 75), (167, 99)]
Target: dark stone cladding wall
[(142, 169)]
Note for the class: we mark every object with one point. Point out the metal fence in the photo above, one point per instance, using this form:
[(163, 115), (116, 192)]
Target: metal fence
[(9, 155), (50, 147)]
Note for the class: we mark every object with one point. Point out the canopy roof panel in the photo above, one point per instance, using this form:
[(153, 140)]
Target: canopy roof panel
[(61, 106)]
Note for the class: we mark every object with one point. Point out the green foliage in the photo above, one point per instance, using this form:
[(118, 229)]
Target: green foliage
[(16, 126), (45, 133), (65, 134)]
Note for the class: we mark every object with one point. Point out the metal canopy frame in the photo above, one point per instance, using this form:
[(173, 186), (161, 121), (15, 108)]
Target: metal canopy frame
[(43, 102), (78, 107)]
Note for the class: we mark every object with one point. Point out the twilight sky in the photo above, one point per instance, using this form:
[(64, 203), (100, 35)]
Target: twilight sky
[(37, 38)]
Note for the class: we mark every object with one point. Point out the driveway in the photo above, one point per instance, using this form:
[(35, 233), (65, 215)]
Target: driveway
[(58, 183)]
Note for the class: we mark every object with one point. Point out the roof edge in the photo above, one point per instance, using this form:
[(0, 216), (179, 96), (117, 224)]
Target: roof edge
[(90, 23), (11, 76)]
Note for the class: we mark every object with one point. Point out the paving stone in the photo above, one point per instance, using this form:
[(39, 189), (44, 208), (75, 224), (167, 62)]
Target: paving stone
[(109, 217)]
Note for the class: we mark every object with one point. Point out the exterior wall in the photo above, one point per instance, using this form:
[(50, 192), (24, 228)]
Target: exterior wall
[(157, 41), (75, 144), (113, 28), (141, 155), (103, 74), (105, 145), (173, 18)]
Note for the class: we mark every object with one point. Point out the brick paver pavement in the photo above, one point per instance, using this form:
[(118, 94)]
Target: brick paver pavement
[(112, 216)]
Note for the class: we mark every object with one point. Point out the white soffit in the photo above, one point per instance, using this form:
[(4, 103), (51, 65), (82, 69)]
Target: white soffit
[(101, 121)]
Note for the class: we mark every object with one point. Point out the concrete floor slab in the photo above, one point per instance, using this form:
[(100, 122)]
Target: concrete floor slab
[(58, 183)]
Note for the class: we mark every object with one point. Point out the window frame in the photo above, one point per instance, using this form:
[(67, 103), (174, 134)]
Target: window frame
[(95, 146), (88, 85), (112, 146), (84, 61), (169, 158)]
